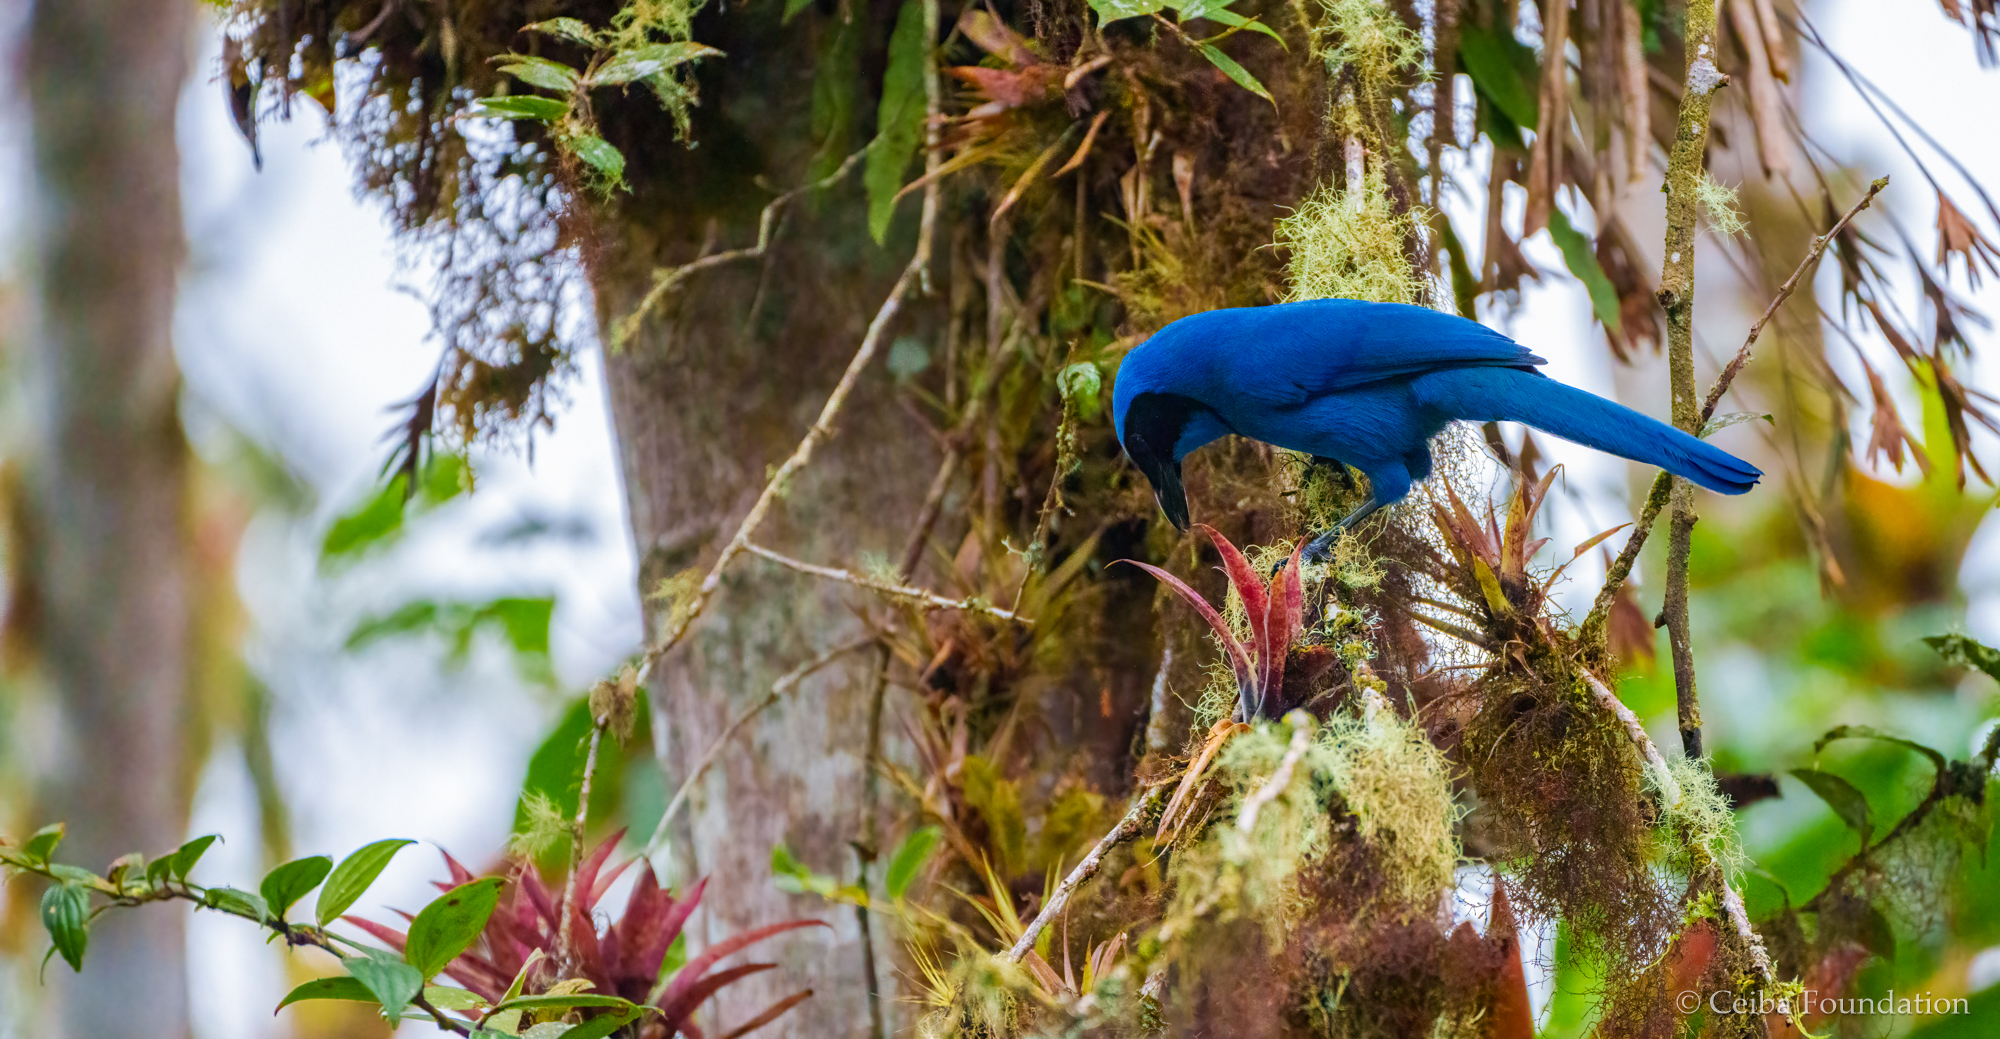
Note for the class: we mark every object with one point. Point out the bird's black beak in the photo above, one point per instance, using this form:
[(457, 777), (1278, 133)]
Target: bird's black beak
[(1164, 473)]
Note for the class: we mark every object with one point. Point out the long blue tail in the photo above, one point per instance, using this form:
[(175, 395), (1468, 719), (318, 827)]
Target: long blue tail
[(1531, 398)]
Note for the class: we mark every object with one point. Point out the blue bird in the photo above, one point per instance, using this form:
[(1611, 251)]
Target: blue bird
[(1366, 385)]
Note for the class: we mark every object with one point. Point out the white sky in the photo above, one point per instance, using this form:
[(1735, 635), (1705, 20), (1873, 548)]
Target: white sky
[(292, 330)]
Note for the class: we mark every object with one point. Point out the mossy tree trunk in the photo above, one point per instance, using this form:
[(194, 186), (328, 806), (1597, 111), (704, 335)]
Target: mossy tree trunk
[(104, 510)]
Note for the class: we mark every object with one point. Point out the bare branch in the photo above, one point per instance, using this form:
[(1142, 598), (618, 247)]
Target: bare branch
[(1129, 827), (783, 685), (565, 942), (891, 589), (666, 279)]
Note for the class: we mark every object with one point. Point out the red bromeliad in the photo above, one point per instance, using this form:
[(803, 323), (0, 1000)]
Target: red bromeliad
[(623, 961)]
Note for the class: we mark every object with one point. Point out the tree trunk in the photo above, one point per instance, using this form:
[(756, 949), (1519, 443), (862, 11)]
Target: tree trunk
[(105, 503), (705, 398)]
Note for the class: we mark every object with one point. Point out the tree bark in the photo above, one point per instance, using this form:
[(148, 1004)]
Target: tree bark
[(104, 503)]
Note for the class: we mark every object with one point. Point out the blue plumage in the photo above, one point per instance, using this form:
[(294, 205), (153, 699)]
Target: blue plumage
[(1368, 385)]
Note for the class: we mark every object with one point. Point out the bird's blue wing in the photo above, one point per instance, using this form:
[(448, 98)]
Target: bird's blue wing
[(1285, 355)]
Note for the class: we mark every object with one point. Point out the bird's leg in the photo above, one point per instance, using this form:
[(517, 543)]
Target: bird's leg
[(1320, 547)]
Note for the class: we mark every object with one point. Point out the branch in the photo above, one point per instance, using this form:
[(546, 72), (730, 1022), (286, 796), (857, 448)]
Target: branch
[(1127, 828), (565, 947), (1656, 499), (666, 280), (898, 591), (1302, 729), (685, 614), (1732, 903), (1819, 246), (783, 685)]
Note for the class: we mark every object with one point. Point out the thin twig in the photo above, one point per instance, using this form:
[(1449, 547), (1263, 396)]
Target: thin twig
[(565, 949), (666, 280), (783, 685), (1656, 499), (1127, 828), (1302, 729), (896, 591), (685, 614), (1819, 246)]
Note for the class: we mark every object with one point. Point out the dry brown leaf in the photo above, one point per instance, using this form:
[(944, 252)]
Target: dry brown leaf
[(1767, 105), (1888, 435), (1957, 234)]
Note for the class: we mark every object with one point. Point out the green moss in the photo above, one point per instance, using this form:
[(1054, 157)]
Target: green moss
[(1347, 243)]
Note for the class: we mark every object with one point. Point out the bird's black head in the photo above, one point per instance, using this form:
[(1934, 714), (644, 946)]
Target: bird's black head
[(1153, 424)]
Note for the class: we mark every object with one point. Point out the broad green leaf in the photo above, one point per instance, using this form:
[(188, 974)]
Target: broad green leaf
[(1496, 65), (1581, 260), (1841, 796), (1964, 652), (191, 853), (450, 924), (447, 997), (599, 155), (350, 879), (1722, 422), (541, 72), (158, 869), (1236, 72), (1109, 11), (899, 119), (602, 1025), (909, 858), (792, 9), (649, 60), (556, 769), (342, 987), (43, 844), (788, 873), (836, 94), (376, 520), (291, 881), (548, 1030), (239, 902), (393, 982), (522, 106), (66, 915), (566, 28), (1869, 732), (1234, 21), (536, 1004), (69, 874)]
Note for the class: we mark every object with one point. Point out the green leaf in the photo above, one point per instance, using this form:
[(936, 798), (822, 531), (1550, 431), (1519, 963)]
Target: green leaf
[(1869, 732), (351, 879), (788, 873), (341, 987), (1876, 935), (43, 844), (447, 997), (237, 901), (1109, 11), (74, 874), (1235, 72), (535, 1004), (393, 982), (1581, 260), (909, 858), (1231, 19), (565, 28), (602, 1025), (598, 154), (523, 106), (649, 60), (899, 119), (1502, 70), (1841, 796), (792, 9), (189, 854), (66, 915), (157, 870), (1964, 652), (374, 521), (449, 925), (290, 882), (541, 72)]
